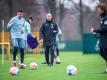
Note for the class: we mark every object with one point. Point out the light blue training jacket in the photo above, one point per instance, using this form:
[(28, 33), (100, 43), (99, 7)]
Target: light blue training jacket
[(17, 27)]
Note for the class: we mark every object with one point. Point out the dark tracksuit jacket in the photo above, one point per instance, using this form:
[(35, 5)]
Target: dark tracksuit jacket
[(102, 31), (47, 33)]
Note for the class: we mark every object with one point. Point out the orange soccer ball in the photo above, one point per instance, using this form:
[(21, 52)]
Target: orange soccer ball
[(13, 71), (33, 66)]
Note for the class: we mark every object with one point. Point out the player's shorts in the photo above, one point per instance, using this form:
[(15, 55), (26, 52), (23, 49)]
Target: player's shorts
[(18, 42)]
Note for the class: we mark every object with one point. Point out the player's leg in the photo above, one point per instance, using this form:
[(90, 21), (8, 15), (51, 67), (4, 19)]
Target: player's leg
[(105, 54), (44, 47), (52, 54), (25, 50), (15, 47), (21, 43), (47, 54), (102, 53), (57, 54), (105, 57)]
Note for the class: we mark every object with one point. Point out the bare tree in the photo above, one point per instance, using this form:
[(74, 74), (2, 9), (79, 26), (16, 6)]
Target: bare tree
[(105, 1), (9, 2), (61, 13), (81, 17), (50, 6)]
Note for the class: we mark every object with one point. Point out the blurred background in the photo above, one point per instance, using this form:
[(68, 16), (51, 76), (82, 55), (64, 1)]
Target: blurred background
[(74, 17)]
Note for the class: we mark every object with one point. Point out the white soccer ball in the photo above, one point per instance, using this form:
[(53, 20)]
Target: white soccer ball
[(71, 70), (33, 66), (13, 71)]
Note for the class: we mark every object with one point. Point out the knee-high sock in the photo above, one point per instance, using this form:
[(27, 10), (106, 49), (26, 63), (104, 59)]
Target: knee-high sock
[(57, 51), (103, 53), (47, 54), (15, 53), (22, 55), (52, 54)]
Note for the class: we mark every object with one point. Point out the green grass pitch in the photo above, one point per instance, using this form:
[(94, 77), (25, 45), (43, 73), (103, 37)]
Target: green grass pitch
[(90, 67)]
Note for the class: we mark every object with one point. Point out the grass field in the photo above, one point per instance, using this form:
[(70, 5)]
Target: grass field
[(90, 67)]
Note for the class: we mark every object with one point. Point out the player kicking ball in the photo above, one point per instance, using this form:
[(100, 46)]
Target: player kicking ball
[(17, 30)]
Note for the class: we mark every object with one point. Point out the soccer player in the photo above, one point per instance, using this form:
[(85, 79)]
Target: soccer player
[(57, 59), (102, 31), (56, 51), (28, 29), (48, 33), (30, 20), (17, 27)]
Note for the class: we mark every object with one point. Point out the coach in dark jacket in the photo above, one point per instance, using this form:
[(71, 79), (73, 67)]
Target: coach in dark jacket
[(48, 33), (102, 31)]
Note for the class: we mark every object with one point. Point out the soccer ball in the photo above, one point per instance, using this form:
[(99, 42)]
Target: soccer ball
[(33, 66), (71, 70), (14, 71)]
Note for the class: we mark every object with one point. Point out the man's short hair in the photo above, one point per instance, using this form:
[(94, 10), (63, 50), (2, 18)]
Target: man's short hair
[(102, 6), (31, 18), (20, 10)]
